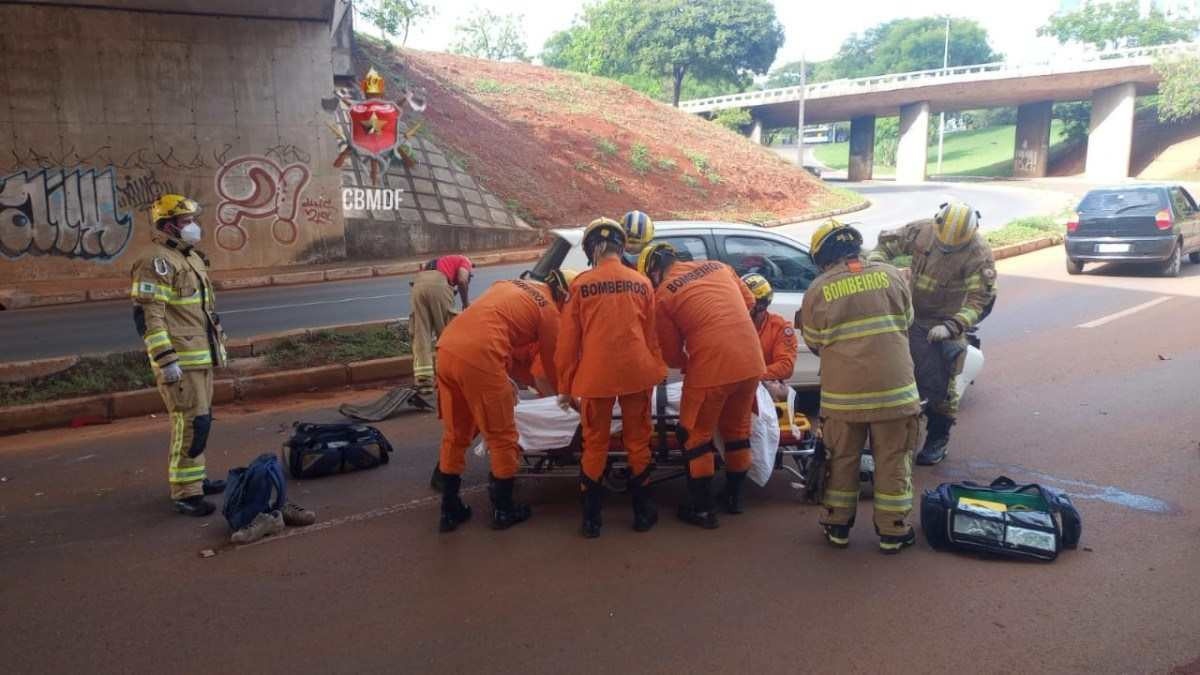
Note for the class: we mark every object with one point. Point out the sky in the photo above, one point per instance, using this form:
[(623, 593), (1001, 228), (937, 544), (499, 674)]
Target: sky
[(814, 29)]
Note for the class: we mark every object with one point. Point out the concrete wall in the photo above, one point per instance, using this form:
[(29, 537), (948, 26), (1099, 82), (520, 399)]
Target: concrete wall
[(1031, 157), (104, 110), (862, 148), (1110, 133), (912, 151)]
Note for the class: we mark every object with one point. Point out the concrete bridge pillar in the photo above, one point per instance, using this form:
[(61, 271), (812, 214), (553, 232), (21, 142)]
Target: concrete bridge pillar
[(756, 132), (862, 148), (1031, 157), (1110, 133), (913, 150)]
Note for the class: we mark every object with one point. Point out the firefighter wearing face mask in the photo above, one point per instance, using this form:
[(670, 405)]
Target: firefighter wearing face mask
[(475, 394), (953, 286), (856, 316), (639, 231), (775, 334), (704, 327), (175, 315), (608, 353)]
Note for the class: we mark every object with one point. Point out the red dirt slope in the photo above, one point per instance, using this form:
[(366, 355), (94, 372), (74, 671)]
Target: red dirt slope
[(566, 147)]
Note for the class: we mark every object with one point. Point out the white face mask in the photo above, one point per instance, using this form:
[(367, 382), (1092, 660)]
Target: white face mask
[(191, 233)]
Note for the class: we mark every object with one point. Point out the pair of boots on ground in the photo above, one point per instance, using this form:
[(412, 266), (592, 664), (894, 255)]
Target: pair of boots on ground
[(273, 522), (506, 513)]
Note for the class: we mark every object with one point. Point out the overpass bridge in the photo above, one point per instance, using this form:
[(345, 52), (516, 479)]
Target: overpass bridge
[(1111, 80)]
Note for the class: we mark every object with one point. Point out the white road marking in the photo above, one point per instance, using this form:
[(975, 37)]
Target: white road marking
[(359, 517), (1124, 313), (311, 304)]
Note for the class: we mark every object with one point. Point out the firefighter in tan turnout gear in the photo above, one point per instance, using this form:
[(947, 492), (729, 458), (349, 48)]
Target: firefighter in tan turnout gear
[(174, 311), (856, 316), (953, 286)]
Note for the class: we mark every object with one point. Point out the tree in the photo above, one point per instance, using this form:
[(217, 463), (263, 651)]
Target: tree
[(487, 35), (788, 75), (699, 40), (1179, 92), (395, 17), (734, 119), (905, 45), (1113, 25)]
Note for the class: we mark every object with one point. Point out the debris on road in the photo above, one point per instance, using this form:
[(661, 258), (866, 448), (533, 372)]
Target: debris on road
[(1163, 358), (208, 553)]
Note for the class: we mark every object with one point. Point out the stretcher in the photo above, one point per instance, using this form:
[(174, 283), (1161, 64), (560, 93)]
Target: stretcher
[(550, 438)]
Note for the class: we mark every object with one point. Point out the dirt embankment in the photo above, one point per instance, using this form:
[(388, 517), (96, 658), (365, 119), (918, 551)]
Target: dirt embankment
[(564, 147)]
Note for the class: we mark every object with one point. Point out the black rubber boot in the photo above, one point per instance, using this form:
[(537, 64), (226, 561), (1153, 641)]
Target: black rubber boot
[(213, 487), (731, 496), (937, 437), (591, 495), (645, 515), (893, 544), (454, 511), (700, 512), (505, 512), (435, 480), (838, 536), (197, 506)]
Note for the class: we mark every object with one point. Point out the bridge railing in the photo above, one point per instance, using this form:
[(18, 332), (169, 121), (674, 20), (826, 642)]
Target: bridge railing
[(1118, 58)]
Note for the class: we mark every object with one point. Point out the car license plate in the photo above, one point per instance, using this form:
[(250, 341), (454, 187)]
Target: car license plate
[(1112, 248)]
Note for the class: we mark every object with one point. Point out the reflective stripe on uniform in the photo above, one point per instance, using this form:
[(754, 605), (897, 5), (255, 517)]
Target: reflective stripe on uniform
[(193, 299), (967, 316), (859, 328), (195, 357), (899, 503), (149, 289), (973, 282), (872, 400), (176, 473), (158, 338), (840, 499), (924, 282)]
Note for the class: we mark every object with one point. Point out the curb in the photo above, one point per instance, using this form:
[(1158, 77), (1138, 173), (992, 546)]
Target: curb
[(14, 298), (1013, 250), (109, 407), (866, 204)]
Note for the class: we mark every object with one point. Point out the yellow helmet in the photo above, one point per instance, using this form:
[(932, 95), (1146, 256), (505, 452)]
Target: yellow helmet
[(760, 288), (172, 206), (602, 229), (652, 257), (639, 230), (955, 225), (821, 248), (559, 281)]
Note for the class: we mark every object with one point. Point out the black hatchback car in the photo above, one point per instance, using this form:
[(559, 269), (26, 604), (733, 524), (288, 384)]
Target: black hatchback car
[(1134, 223)]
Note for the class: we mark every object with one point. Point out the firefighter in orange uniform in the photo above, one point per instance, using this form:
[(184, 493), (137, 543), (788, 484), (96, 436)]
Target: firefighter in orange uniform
[(475, 394), (704, 327), (775, 333), (608, 352)]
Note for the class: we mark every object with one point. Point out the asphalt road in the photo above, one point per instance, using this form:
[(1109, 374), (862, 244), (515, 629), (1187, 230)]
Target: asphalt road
[(108, 326), (97, 574)]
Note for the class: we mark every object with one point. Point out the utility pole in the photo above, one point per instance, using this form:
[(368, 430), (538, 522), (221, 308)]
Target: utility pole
[(800, 121), (942, 123)]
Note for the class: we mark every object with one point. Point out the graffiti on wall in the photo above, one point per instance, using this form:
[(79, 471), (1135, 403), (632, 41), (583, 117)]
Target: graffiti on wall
[(70, 213), (139, 193), (257, 187), (318, 210)]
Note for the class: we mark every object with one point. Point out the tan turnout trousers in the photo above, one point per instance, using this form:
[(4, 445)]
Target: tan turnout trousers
[(892, 442), (432, 309), (189, 404)]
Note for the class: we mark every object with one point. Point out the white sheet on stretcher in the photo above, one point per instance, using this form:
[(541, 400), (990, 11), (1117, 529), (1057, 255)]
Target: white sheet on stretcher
[(542, 426)]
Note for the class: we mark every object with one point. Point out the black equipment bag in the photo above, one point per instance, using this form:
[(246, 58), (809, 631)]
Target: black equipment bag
[(1004, 518), (316, 450)]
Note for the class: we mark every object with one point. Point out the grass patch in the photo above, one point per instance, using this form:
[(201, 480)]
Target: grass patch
[(690, 181), (606, 147), (486, 86), (1024, 229), (517, 209), (92, 375), (326, 347), (666, 164), (457, 159), (982, 152), (612, 185), (713, 177), (761, 217), (639, 159), (698, 160), (582, 166)]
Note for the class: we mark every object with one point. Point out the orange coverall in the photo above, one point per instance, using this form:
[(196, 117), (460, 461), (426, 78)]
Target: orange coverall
[(705, 329), (607, 351), (474, 359), (779, 345)]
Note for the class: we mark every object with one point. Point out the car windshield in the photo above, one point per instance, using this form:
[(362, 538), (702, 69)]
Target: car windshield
[(1132, 202)]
